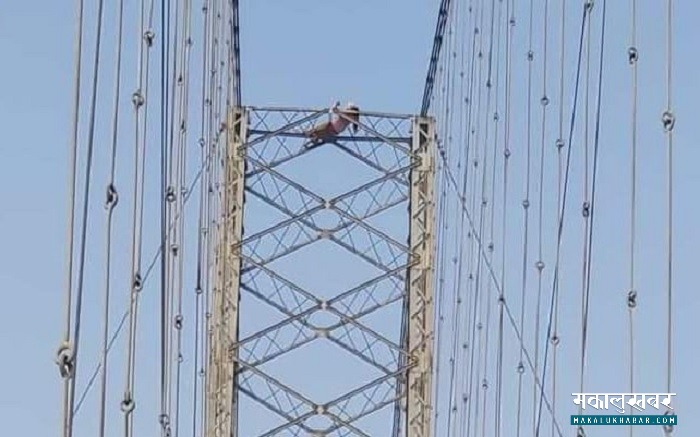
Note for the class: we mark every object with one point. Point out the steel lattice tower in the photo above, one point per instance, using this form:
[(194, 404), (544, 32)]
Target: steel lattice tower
[(322, 310)]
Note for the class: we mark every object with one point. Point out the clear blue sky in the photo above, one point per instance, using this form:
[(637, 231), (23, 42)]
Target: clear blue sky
[(292, 54)]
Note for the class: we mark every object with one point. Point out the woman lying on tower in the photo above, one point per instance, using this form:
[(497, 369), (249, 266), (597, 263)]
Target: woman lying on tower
[(340, 119)]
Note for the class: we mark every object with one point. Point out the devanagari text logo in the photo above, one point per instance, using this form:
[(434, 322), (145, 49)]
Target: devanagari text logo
[(631, 404)]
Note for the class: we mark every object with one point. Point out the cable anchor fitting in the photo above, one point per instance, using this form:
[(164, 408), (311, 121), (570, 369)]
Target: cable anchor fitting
[(137, 284), (65, 360), (668, 428), (137, 99), (148, 37), (632, 55), (586, 209), (668, 120), (112, 198), (631, 299), (127, 405)]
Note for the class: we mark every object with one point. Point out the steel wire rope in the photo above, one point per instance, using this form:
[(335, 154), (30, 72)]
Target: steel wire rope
[(668, 120), (147, 273), (111, 202), (200, 279), (593, 192), (164, 108), (467, 174), (444, 227), (494, 279), (65, 356), (539, 264), (506, 155), (170, 253), (92, 111), (562, 207), (478, 298), (492, 196), (632, 55), (526, 216), (560, 145), (586, 203), (139, 99), (473, 143), (183, 82), (448, 92)]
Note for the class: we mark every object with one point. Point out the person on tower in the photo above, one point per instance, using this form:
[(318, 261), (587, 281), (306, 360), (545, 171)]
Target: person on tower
[(340, 119)]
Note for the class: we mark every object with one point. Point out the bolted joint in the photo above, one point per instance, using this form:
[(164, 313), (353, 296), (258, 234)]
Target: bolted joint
[(544, 101)]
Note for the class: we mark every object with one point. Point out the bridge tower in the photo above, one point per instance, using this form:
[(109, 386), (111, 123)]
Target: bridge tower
[(321, 320)]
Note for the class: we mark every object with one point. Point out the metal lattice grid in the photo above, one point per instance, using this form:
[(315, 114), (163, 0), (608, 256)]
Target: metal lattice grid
[(322, 314)]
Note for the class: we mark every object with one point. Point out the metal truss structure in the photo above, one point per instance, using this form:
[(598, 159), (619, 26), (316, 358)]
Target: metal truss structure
[(322, 313)]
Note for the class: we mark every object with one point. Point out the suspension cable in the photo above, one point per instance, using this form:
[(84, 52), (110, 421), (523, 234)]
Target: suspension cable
[(554, 339), (65, 356), (526, 222), (539, 265), (668, 120), (111, 202), (593, 192), (85, 211), (632, 57)]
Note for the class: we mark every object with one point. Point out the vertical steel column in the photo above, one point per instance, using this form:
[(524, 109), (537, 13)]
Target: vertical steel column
[(420, 279), (221, 390)]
